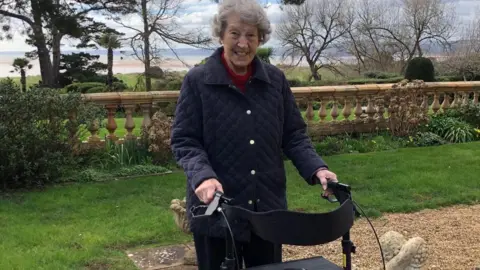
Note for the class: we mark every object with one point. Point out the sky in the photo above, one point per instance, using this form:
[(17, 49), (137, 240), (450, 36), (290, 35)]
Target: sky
[(198, 13)]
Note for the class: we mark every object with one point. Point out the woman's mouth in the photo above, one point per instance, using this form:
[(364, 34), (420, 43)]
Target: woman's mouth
[(240, 53)]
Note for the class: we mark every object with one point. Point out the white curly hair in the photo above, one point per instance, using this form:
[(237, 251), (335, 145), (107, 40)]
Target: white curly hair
[(250, 11)]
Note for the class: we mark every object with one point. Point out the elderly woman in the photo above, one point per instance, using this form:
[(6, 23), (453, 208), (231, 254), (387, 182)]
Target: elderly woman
[(234, 118)]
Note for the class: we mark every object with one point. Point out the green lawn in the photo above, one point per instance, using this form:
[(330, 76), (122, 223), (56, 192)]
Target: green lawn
[(90, 224)]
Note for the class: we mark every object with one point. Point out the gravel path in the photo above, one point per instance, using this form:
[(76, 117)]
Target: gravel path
[(452, 235)]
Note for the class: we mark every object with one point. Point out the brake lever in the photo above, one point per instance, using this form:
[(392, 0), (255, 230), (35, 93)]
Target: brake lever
[(218, 198), (331, 199), (213, 205)]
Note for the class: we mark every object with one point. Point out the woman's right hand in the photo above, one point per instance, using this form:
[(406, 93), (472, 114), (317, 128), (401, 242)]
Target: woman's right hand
[(207, 189)]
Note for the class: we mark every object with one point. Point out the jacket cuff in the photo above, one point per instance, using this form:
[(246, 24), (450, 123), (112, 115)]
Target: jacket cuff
[(201, 176)]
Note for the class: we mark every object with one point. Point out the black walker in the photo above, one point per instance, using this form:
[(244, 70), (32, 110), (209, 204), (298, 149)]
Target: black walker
[(304, 229)]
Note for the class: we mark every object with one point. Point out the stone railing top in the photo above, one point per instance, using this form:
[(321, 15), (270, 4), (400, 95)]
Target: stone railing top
[(299, 92)]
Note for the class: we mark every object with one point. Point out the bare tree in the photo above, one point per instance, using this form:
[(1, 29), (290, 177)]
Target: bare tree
[(418, 22), (371, 50), (309, 30), (464, 60), (159, 26)]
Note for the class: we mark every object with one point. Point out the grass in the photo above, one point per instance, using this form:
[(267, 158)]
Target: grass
[(89, 225)]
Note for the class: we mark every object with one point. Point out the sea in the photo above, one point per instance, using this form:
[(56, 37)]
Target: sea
[(126, 62)]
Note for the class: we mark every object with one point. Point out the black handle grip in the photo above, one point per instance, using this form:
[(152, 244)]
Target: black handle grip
[(338, 186)]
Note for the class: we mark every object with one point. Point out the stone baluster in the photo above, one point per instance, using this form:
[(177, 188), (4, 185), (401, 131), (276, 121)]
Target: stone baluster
[(322, 112), (380, 112), (129, 123), (370, 108), (436, 103), (73, 129), (424, 105), (475, 97), (455, 101), (146, 109), (334, 113), (309, 113), (358, 108), (446, 102), (347, 109), (111, 124), (93, 128), (156, 107), (465, 98), (391, 110)]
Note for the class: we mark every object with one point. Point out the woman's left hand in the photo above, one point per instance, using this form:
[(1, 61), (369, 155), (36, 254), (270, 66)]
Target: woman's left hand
[(325, 176)]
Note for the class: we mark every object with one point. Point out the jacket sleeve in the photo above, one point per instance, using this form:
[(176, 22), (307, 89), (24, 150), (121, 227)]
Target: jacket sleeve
[(187, 138), (297, 145)]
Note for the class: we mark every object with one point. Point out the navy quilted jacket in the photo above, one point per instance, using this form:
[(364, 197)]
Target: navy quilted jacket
[(220, 132)]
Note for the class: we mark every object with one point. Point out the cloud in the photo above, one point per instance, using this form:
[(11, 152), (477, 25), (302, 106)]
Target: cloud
[(197, 14)]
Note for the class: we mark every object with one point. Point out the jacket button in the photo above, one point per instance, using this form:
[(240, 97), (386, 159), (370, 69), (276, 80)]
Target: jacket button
[(252, 172), (250, 202), (258, 200), (249, 112), (252, 141)]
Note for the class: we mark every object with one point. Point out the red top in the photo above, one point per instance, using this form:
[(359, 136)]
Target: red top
[(239, 80)]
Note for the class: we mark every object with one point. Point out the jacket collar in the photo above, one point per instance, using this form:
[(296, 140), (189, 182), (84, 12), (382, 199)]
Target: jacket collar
[(216, 73)]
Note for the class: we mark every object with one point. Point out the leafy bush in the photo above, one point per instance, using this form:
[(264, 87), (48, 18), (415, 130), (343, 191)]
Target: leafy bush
[(83, 87), (95, 87), (117, 155), (405, 100), (420, 68), (427, 139), (452, 129), (380, 75), (38, 140), (95, 175), (333, 145), (265, 53), (469, 113), (157, 138)]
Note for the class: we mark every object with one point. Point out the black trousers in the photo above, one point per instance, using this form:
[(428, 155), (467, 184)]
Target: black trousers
[(211, 252)]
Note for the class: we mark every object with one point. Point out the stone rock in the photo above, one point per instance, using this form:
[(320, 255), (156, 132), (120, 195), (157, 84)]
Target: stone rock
[(402, 254), (190, 257), (180, 214)]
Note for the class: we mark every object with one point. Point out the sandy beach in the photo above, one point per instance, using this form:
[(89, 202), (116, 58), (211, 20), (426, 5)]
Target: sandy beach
[(120, 66)]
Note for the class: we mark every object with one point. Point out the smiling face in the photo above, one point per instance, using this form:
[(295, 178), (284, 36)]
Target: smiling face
[(240, 42)]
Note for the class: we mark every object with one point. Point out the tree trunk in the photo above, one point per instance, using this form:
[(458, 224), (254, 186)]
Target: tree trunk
[(23, 80), (110, 67), (146, 43), (56, 41), (314, 72), (41, 44)]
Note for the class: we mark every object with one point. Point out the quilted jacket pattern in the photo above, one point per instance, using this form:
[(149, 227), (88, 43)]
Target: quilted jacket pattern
[(238, 138)]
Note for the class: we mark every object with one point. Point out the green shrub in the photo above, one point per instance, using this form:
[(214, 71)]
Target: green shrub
[(265, 53), (37, 138), (119, 86), (97, 89), (452, 129), (174, 84), (83, 87), (380, 75), (333, 145), (469, 113), (420, 68), (98, 174), (428, 139)]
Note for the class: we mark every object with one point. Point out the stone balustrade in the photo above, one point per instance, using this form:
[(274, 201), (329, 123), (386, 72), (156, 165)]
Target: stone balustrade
[(341, 109)]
